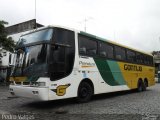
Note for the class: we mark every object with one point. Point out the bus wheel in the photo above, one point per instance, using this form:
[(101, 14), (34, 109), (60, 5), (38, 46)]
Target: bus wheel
[(85, 92), (146, 82), (144, 85), (140, 86)]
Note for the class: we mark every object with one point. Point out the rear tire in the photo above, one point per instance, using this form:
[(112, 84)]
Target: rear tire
[(144, 86), (85, 92), (140, 86)]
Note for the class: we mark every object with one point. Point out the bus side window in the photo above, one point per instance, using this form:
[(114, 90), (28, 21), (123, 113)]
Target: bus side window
[(131, 56), (120, 53), (87, 46), (103, 54), (92, 52), (82, 50), (140, 58), (146, 59), (151, 60), (105, 50)]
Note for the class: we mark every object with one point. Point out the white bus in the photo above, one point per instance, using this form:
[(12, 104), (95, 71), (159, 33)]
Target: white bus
[(56, 63)]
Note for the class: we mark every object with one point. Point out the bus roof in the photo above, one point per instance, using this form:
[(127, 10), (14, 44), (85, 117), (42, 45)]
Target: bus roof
[(46, 27), (86, 34)]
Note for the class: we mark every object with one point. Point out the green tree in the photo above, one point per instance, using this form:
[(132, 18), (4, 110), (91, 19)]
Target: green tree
[(7, 43)]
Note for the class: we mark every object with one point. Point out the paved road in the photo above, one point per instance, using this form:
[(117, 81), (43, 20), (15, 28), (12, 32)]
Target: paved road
[(118, 106)]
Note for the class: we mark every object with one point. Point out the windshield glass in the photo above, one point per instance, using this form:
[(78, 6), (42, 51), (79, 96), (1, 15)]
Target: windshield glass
[(31, 62), (31, 58), (42, 35)]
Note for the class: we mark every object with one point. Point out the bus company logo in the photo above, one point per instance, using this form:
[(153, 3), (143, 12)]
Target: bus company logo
[(61, 89), (86, 64), (132, 67)]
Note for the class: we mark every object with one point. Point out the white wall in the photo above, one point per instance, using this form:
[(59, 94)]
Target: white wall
[(16, 37)]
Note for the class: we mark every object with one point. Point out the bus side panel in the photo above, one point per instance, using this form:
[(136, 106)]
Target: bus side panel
[(120, 73), (88, 70), (133, 72), (109, 74)]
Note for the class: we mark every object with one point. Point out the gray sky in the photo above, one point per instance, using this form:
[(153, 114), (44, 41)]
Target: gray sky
[(135, 23)]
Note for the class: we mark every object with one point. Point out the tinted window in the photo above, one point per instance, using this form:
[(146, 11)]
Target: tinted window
[(41, 35), (32, 61), (146, 59), (87, 46), (62, 57), (131, 56), (139, 58), (105, 50), (63, 36), (120, 53), (150, 60)]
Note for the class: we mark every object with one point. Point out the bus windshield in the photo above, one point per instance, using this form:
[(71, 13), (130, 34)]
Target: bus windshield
[(43, 35), (31, 61), (45, 54)]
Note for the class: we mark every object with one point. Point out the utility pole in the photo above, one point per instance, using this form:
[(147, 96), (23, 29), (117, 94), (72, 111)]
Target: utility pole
[(114, 35), (85, 22), (35, 13)]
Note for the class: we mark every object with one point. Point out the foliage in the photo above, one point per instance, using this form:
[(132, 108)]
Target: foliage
[(7, 43)]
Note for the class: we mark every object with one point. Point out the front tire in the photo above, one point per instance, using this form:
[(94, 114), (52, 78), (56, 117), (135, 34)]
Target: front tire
[(85, 92)]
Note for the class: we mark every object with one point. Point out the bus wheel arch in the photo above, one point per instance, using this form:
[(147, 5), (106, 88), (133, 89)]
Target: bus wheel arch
[(85, 90)]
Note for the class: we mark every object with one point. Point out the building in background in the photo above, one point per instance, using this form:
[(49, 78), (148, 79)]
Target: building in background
[(156, 57), (7, 59), (15, 31)]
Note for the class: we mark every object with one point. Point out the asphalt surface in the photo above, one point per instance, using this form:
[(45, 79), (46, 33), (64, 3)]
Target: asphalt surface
[(128, 105)]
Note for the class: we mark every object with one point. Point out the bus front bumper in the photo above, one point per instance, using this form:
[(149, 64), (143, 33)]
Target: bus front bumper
[(38, 93)]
